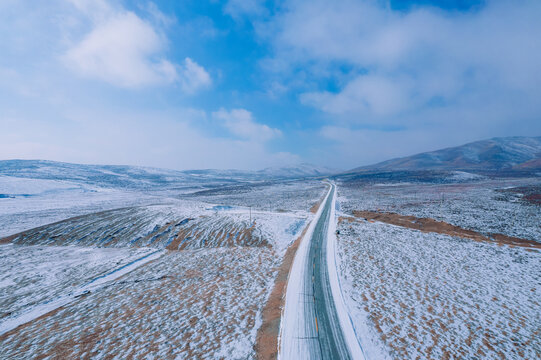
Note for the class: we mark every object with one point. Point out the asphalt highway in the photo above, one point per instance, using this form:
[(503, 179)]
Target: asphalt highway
[(322, 326)]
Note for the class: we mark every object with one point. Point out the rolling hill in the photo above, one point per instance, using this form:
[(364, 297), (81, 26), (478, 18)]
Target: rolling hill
[(122, 176), (497, 154)]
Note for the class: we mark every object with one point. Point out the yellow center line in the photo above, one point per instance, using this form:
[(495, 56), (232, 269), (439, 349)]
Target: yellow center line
[(317, 330)]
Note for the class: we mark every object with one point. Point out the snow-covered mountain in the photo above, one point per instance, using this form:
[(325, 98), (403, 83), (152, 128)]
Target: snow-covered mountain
[(505, 153), (298, 171), (96, 175), (119, 176)]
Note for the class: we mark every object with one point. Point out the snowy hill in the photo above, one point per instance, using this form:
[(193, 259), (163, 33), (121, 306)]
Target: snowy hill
[(136, 177), (505, 153), (299, 171)]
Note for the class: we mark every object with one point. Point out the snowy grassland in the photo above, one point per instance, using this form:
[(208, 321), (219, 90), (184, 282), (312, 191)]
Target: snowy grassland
[(479, 205), (28, 203), (431, 296), (185, 225), (293, 196), (11, 186), (202, 298), (30, 275), (202, 303)]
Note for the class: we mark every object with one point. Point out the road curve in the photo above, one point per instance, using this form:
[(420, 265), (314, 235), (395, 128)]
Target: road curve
[(311, 326)]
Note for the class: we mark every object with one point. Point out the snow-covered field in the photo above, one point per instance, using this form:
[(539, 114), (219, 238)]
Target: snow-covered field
[(275, 196), (201, 296), (479, 205), (15, 186), (409, 293), (435, 296), (30, 275), (190, 304), (432, 296), (185, 225), (29, 203)]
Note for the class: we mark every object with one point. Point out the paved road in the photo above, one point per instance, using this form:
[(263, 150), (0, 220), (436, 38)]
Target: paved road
[(312, 326), (321, 318)]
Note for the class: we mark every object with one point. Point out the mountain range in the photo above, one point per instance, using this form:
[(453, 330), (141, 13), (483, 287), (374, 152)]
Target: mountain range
[(503, 154), (124, 176), (496, 154)]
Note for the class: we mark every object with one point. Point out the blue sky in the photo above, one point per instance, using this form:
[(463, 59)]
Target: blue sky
[(249, 84)]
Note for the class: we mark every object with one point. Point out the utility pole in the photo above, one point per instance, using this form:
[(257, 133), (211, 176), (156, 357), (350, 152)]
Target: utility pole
[(441, 207)]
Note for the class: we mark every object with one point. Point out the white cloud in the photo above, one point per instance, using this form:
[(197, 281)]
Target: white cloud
[(238, 8), (97, 10), (240, 123), (158, 16), (119, 51), (47, 113), (162, 139), (367, 94), (126, 51), (194, 77), (350, 148), (404, 62)]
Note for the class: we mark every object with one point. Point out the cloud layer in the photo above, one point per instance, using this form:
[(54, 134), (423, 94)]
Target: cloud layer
[(408, 61), (248, 83), (127, 51), (240, 123), (96, 116), (454, 76)]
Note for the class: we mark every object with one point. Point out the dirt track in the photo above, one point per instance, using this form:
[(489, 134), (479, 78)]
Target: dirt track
[(440, 227), (266, 345)]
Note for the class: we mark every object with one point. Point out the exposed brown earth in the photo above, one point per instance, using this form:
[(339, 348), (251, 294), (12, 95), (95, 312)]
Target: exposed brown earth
[(179, 238), (179, 234), (441, 227), (531, 164), (315, 207), (52, 313), (530, 193), (22, 326), (533, 198), (8, 239), (267, 338), (266, 346)]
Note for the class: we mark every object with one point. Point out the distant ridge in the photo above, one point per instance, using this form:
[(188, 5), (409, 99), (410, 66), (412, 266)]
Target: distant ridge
[(142, 177), (301, 170), (496, 154)]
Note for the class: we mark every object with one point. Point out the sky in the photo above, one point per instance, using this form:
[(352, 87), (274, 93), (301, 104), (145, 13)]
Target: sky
[(249, 84)]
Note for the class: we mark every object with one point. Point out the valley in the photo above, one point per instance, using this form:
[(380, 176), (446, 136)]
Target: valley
[(374, 265)]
